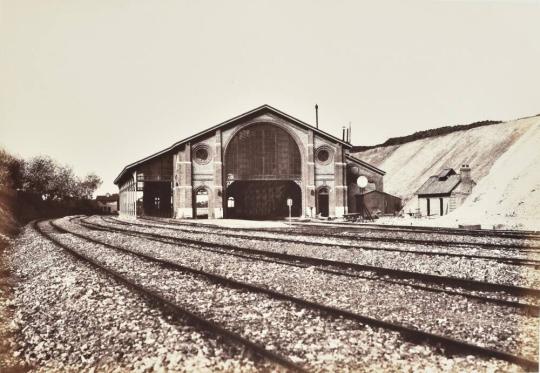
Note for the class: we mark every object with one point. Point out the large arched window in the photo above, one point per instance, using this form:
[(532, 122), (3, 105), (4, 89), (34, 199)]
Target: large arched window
[(263, 152)]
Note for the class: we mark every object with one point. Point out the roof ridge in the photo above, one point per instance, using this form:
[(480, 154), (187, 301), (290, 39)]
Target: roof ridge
[(224, 123)]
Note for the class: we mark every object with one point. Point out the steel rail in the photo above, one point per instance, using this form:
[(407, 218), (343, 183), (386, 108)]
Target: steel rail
[(535, 263), (316, 232), (442, 242), (175, 310), (512, 234), (528, 308), (442, 280), (407, 332)]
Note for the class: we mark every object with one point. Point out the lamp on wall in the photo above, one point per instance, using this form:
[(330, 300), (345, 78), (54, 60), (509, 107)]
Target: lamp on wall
[(362, 182)]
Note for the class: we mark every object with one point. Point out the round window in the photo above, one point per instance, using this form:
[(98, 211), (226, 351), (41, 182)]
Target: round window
[(201, 154), (323, 155)]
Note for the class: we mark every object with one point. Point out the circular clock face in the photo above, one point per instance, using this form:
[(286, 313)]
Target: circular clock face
[(362, 181)]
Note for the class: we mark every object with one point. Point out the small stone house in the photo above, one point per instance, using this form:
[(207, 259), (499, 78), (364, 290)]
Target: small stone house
[(443, 193)]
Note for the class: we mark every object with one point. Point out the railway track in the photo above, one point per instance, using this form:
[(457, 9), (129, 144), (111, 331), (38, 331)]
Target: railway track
[(443, 284), (324, 231), (449, 344), (513, 234), (528, 246), (172, 309), (534, 263)]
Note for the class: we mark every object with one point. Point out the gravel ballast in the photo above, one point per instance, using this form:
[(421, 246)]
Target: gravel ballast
[(313, 235), (360, 231), (72, 317), (467, 268), (495, 326)]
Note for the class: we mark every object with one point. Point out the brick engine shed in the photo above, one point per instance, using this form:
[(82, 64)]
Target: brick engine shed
[(247, 167)]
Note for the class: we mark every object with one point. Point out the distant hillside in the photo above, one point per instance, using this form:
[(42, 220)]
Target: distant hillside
[(504, 158), (425, 134)]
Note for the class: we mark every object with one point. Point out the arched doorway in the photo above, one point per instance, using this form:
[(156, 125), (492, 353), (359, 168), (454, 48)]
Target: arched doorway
[(200, 203), (323, 202), (262, 167)]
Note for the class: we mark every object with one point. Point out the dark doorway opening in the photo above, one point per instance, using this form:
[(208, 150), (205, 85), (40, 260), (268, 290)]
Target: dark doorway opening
[(157, 197), (323, 202), (441, 206), (428, 207), (258, 199)]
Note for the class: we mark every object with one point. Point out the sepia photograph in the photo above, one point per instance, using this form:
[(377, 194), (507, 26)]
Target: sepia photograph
[(269, 186)]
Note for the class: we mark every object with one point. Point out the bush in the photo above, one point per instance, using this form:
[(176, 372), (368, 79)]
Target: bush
[(41, 188)]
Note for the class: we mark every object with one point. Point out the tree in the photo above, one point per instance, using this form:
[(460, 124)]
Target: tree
[(64, 184), (53, 181), (39, 176), (11, 171), (87, 187)]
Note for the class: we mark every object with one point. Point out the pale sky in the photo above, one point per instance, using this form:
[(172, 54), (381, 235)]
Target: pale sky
[(100, 84)]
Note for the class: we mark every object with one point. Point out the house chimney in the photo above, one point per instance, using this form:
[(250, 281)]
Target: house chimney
[(343, 134), (317, 115), (465, 173)]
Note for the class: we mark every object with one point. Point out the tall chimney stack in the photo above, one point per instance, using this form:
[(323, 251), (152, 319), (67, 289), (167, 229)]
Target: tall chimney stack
[(317, 115), (465, 173), (343, 134), (467, 183)]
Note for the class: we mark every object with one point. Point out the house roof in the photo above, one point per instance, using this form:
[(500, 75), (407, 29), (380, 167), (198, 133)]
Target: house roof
[(259, 110), (437, 185), (446, 172), (365, 164), (380, 192)]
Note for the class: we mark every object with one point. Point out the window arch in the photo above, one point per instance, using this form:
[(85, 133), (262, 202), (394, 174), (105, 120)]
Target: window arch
[(263, 151)]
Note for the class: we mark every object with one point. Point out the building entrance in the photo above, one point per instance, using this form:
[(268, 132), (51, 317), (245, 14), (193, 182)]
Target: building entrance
[(263, 199), (262, 162), (157, 199), (323, 202)]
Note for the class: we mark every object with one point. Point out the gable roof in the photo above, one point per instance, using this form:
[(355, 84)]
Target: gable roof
[(436, 185), (257, 111), (446, 172), (375, 191), (365, 164)]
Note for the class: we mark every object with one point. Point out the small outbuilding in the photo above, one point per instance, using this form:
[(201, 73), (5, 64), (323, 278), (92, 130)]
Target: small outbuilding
[(381, 203), (443, 193), (108, 203)]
